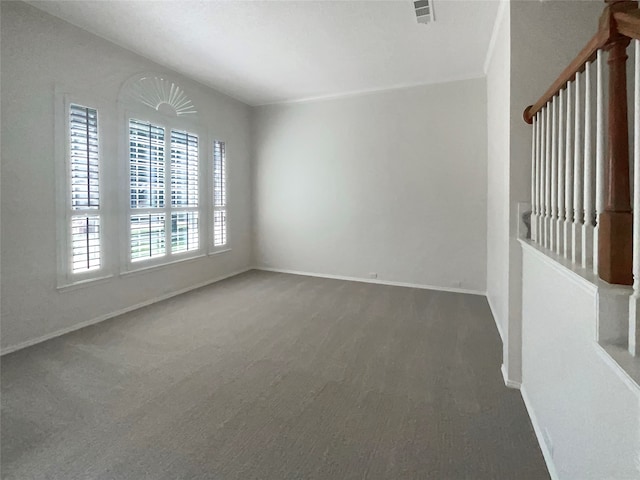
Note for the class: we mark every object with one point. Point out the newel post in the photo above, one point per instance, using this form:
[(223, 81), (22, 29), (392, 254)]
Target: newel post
[(615, 249)]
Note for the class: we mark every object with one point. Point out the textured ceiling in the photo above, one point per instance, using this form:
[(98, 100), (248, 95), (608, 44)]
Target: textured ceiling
[(273, 51)]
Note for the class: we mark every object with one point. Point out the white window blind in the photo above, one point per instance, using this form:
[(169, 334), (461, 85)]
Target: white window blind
[(147, 236), (151, 236), (219, 194), (184, 192), (184, 232), (84, 189), (83, 142), (147, 165), (85, 243), (184, 169)]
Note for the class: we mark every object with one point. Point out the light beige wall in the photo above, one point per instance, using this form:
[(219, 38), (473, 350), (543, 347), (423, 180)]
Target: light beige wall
[(392, 183), (498, 125)]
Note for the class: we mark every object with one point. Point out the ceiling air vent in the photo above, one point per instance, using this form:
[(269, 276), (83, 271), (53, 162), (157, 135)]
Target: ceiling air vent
[(424, 11)]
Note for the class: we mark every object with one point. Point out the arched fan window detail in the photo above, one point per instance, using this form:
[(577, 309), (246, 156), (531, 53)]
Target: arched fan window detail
[(159, 93)]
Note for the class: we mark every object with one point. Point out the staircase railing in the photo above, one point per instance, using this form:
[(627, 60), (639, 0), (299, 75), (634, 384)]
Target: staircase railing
[(581, 187)]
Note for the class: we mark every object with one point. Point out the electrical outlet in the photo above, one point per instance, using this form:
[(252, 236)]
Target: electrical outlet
[(373, 275)]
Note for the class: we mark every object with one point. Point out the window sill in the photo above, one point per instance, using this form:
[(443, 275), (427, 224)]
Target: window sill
[(217, 252), (156, 266), (89, 282), (71, 286)]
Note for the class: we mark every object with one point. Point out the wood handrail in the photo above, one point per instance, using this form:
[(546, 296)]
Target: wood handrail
[(628, 23), (620, 17), (588, 53)]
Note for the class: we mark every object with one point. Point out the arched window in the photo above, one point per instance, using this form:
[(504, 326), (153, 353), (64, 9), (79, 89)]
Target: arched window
[(165, 190)]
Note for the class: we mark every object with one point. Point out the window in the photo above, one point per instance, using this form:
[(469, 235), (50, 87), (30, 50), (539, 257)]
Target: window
[(219, 195), (164, 216), (84, 217), (161, 197), (184, 192)]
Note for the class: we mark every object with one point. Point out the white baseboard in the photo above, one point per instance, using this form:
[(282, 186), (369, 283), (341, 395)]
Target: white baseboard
[(495, 319), (507, 382), (546, 451), (373, 280), (107, 316)]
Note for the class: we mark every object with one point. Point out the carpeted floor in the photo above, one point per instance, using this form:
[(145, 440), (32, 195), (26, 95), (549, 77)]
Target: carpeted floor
[(272, 376)]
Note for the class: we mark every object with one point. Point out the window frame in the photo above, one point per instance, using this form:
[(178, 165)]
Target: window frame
[(213, 249), (169, 123), (114, 187), (66, 279)]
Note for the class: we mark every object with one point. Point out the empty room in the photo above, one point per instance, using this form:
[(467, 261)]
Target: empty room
[(317, 239)]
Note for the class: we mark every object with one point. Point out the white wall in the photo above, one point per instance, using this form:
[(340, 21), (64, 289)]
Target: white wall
[(498, 126), (38, 52), (392, 183), (544, 38), (589, 417)]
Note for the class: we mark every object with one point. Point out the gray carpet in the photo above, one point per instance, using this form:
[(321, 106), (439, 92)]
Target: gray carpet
[(272, 376)]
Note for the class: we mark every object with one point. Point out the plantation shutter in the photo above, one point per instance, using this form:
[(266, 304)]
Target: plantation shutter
[(146, 165), (84, 189), (219, 194), (184, 192)]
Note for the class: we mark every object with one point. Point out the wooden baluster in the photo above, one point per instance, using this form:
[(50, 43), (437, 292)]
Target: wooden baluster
[(568, 179), (554, 174), (587, 182), (540, 121), (634, 301), (576, 256), (560, 177), (615, 251), (534, 179), (540, 196), (547, 185), (600, 142), (547, 181), (543, 157)]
